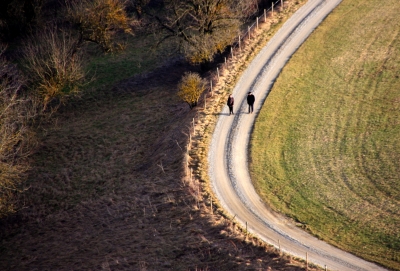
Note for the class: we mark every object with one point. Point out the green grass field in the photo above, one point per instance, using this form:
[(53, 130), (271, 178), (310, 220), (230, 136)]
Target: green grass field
[(139, 56), (326, 146)]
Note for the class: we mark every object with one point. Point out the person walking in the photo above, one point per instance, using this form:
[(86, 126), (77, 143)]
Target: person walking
[(230, 103), (250, 101)]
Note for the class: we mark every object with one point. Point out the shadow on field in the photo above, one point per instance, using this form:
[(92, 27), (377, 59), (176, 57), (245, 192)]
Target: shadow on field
[(106, 192)]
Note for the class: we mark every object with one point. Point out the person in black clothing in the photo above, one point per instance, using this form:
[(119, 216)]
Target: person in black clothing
[(230, 103), (250, 101)]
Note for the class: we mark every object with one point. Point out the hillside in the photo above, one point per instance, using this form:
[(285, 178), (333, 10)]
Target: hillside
[(106, 191)]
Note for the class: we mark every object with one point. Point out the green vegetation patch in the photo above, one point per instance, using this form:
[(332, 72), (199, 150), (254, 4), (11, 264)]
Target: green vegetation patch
[(139, 55), (326, 146)]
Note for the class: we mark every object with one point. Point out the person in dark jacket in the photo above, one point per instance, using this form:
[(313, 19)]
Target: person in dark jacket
[(250, 101), (230, 103)]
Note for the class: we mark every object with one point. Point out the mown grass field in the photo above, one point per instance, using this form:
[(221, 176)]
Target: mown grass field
[(326, 146)]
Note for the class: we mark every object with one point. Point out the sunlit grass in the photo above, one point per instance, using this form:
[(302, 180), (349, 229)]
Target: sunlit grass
[(326, 146)]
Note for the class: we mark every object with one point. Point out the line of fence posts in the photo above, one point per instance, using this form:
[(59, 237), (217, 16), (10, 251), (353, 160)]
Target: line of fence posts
[(240, 37), (189, 169), (279, 243), (247, 33)]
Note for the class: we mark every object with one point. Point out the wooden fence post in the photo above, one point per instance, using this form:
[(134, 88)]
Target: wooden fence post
[(279, 245), (187, 163), (306, 261)]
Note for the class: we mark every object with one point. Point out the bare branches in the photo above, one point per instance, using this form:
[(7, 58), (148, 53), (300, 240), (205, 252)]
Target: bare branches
[(17, 141), (206, 27), (100, 20), (54, 66), (190, 88)]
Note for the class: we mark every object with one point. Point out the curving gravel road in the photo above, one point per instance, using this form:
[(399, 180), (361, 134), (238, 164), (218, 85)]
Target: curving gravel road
[(228, 156)]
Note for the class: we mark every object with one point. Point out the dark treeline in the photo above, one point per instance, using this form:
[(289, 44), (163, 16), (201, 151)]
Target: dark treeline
[(18, 17)]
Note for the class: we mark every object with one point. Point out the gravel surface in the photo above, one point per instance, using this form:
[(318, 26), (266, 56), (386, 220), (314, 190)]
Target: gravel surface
[(228, 156)]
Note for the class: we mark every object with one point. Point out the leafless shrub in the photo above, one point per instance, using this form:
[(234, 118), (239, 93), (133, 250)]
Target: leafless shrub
[(17, 140), (190, 88), (54, 66)]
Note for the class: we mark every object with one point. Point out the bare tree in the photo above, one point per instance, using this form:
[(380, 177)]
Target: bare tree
[(54, 66), (205, 27), (99, 21), (17, 141)]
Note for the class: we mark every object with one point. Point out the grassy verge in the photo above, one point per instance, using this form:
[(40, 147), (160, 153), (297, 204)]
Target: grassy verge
[(326, 146)]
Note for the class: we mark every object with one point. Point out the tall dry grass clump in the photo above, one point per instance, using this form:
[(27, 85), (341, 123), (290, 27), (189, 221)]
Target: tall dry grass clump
[(17, 140)]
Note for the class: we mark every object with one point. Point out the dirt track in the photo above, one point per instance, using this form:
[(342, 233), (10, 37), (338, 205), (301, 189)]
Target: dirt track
[(229, 149)]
